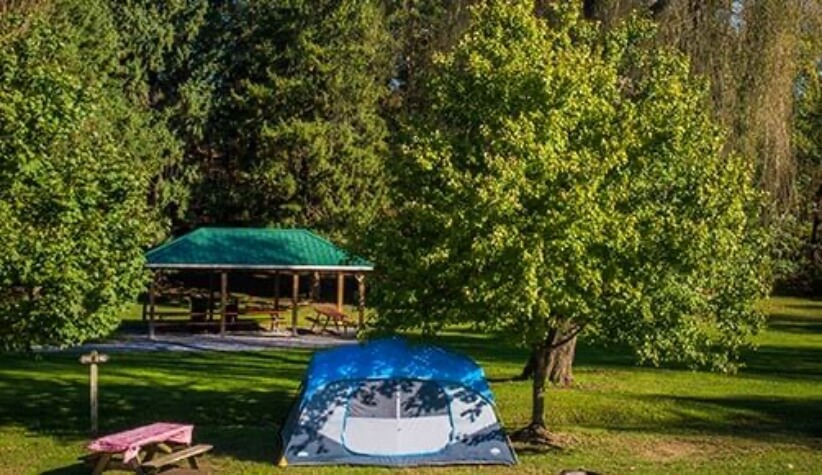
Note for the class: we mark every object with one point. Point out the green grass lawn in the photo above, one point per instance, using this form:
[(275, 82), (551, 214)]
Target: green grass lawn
[(616, 419)]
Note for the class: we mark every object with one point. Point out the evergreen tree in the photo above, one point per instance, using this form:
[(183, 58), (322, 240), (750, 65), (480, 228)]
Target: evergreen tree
[(296, 134), (167, 62)]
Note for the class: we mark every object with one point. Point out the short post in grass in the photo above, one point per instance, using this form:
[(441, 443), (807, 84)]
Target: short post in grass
[(93, 359)]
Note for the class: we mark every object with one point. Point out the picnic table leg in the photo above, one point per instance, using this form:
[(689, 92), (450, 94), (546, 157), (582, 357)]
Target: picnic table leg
[(192, 462), (102, 464), (153, 450)]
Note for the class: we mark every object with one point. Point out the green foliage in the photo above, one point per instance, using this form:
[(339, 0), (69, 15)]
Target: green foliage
[(297, 135), (419, 29), (797, 234), (167, 61), (557, 177), (75, 165)]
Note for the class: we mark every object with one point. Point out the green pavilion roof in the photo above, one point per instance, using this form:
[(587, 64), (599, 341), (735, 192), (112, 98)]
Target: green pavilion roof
[(253, 249)]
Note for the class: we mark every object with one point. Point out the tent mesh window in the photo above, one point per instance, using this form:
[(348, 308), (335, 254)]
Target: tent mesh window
[(412, 418)]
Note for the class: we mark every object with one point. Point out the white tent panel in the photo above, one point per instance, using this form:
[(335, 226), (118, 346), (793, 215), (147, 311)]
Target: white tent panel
[(408, 436)]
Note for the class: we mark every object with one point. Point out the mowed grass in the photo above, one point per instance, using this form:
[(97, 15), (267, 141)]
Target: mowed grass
[(616, 419)]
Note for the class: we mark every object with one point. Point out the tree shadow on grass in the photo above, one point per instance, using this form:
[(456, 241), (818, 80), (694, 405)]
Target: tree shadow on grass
[(754, 417), (75, 469), (783, 362), (794, 323), (237, 402)]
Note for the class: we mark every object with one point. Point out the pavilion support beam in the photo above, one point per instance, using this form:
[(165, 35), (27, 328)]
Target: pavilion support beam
[(361, 301), (295, 294), (315, 287), (152, 290), (340, 291), (210, 310), (223, 301), (276, 290)]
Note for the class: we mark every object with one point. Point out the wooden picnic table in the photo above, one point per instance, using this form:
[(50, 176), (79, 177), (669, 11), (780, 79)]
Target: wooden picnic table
[(144, 450), (271, 312), (327, 314)]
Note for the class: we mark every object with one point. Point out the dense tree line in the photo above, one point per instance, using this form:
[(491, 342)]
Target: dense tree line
[(537, 167), (124, 122)]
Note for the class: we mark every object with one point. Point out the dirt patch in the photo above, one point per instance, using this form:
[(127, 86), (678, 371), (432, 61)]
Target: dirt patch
[(556, 441), (669, 450)]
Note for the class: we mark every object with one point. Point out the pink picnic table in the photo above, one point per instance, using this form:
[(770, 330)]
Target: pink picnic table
[(127, 445)]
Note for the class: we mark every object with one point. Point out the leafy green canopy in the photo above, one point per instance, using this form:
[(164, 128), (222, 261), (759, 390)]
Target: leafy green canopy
[(557, 177), (75, 163)]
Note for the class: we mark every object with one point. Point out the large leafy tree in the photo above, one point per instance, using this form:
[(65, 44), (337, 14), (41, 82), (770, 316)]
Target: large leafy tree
[(557, 182), (76, 159)]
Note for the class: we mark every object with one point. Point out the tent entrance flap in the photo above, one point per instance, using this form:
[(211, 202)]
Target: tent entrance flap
[(397, 417)]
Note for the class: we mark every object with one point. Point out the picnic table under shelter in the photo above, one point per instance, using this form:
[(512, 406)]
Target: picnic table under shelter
[(274, 251)]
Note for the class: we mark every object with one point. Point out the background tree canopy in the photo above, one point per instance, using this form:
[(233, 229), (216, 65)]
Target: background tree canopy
[(295, 133)]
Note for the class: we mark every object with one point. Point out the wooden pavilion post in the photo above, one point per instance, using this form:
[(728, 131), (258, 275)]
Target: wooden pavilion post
[(210, 310), (295, 293), (340, 291), (361, 300), (276, 290), (152, 289), (223, 300), (315, 287)]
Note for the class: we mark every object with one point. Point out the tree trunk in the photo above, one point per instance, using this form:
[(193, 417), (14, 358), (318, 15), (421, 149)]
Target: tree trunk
[(551, 359), (537, 431), (817, 208), (561, 362), (813, 252), (562, 350), (542, 354)]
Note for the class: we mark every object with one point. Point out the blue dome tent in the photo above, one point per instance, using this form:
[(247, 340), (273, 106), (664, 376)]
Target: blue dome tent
[(389, 403)]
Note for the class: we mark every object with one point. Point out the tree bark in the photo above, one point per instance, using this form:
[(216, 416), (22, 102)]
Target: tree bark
[(817, 201), (550, 360), (542, 355), (537, 431), (813, 251), (562, 349), (560, 364)]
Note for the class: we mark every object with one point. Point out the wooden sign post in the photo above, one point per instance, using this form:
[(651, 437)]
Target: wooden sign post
[(93, 359)]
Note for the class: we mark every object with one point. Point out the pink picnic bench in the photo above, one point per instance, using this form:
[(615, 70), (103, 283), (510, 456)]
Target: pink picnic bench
[(145, 450)]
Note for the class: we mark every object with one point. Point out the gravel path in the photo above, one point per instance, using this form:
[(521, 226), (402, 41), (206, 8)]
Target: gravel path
[(207, 342)]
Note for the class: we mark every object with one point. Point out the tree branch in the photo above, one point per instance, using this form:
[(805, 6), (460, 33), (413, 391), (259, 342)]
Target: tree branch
[(658, 7), (567, 338)]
